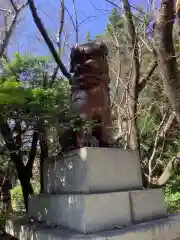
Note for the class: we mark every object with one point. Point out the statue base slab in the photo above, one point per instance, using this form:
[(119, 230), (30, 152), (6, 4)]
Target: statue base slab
[(93, 170), (162, 229), (88, 213)]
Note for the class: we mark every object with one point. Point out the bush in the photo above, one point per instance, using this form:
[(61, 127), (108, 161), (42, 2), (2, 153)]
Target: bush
[(17, 199), (2, 223), (17, 196), (172, 195)]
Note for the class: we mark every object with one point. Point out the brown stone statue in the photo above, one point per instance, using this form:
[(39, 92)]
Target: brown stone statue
[(90, 99)]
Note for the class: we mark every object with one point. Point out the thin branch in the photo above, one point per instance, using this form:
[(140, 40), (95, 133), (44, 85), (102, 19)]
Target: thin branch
[(155, 147), (87, 18), (168, 124), (10, 30), (61, 26), (116, 5), (47, 39), (5, 10), (59, 40), (71, 18), (131, 6), (169, 170), (146, 44), (14, 5), (76, 21), (149, 73)]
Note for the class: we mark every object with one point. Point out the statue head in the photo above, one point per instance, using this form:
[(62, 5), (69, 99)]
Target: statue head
[(87, 53)]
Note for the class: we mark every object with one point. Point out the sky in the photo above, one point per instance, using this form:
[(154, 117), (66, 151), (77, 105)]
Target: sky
[(92, 14)]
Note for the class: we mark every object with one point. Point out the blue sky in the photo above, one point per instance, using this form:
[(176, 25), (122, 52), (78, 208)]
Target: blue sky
[(93, 14)]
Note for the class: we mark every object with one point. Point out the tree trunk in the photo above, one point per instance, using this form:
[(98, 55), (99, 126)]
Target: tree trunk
[(26, 188), (44, 153), (133, 88), (163, 37), (5, 196), (24, 176), (24, 171)]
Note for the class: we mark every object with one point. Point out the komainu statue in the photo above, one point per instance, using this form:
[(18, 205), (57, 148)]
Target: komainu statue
[(90, 98)]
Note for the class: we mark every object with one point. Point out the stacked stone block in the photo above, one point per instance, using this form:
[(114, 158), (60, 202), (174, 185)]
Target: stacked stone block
[(92, 191)]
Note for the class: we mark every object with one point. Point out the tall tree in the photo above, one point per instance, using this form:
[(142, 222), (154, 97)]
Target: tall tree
[(33, 106), (166, 57)]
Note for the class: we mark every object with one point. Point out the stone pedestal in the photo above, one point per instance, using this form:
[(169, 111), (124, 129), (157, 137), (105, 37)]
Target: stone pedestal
[(89, 194), (91, 170)]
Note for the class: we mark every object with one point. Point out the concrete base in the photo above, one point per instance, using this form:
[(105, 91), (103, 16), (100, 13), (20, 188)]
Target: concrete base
[(83, 213), (91, 170), (88, 213), (163, 229), (147, 205)]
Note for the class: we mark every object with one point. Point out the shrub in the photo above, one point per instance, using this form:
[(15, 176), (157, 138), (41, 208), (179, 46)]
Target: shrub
[(2, 223), (17, 196), (172, 194), (17, 199)]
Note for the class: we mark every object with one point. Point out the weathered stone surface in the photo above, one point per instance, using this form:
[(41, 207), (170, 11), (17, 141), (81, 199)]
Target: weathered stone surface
[(163, 229), (83, 213), (147, 205), (99, 211), (93, 170)]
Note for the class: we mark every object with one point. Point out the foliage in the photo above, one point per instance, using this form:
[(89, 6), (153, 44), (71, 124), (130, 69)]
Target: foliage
[(172, 194), (153, 106), (22, 89), (31, 100), (2, 223), (17, 199), (17, 196)]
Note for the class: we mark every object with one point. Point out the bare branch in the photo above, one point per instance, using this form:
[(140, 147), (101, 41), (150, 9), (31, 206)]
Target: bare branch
[(59, 40), (149, 73), (61, 26), (169, 170), (151, 160), (5, 10), (5, 42), (87, 18), (168, 124), (10, 30), (47, 39), (71, 18), (145, 43), (131, 5), (76, 21), (14, 5)]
